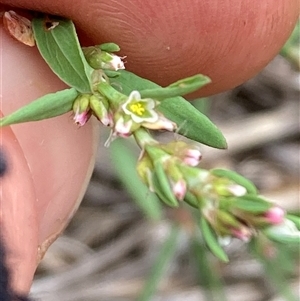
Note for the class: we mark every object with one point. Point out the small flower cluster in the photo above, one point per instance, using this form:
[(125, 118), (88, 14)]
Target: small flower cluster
[(230, 208), (228, 203), (124, 114)]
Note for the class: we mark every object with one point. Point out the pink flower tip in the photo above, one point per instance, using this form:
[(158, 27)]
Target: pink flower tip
[(82, 118), (275, 215), (242, 233), (192, 157), (179, 189)]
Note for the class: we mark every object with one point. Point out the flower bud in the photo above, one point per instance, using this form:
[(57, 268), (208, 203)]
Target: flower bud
[(243, 233), (274, 215), (192, 157), (93, 56), (179, 189), (111, 61), (99, 59), (81, 109), (99, 106), (124, 126)]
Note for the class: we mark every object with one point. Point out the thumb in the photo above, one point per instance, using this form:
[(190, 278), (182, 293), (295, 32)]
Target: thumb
[(164, 41)]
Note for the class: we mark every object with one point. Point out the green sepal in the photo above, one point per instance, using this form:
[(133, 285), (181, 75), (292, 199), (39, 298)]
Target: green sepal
[(61, 50), (48, 106), (179, 88), (235, 177), (191, 123), (109, 47), (211, 240), (191, 200), (250, 203), (162, 186)]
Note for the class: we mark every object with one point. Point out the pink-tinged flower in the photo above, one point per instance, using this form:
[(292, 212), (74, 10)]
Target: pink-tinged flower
[(100, 107), (243, 233), (162, 123), (122, 128), (82, 118), (107, 120), (81, 109), (179, 189), (275, 215), (192, 157)]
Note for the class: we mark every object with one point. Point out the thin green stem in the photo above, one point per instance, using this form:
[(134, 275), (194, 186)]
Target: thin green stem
[(143, 137)]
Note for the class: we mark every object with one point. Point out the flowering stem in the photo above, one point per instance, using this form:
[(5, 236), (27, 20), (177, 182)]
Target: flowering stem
[(115, 98), (143, 138)]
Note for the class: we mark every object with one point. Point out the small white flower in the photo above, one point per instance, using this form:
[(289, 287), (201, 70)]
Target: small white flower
[(140, 110), (162, 123)]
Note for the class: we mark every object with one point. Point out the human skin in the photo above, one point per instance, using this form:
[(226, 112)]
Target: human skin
[(164, 41)]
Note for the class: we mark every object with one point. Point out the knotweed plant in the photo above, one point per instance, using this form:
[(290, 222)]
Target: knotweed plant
[(228, 205)]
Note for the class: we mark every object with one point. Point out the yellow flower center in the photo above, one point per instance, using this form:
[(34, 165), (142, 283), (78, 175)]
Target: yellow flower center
[(137, 108)]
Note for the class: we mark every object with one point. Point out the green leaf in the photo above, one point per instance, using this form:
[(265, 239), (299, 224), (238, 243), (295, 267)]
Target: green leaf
[(161, 263), (179, 88), (61, 50), (211, 240), (192, 124), (235, 177), (250, 203), (124, 163), (48, 106)]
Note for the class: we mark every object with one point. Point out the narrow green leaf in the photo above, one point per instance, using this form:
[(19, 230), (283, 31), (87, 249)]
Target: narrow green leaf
[(162, 186), (162, 261), (192, 124), (251, 203), (61, 50), (179, 88), (235, 177), (211, 240), (47, 106), (124, 163)]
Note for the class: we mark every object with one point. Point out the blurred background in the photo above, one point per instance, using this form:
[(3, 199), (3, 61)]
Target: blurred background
[(124, 245)]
